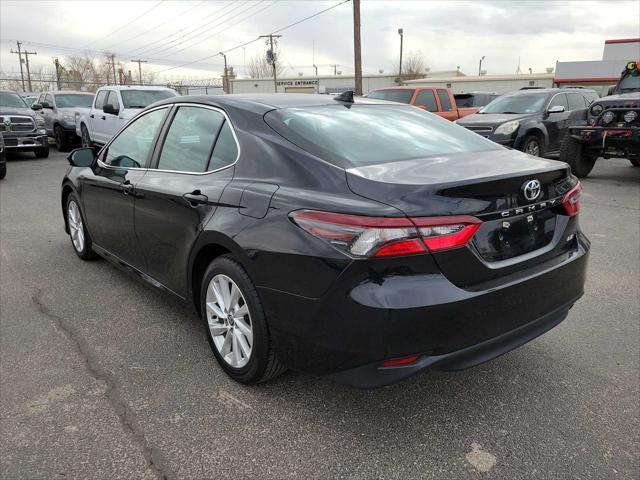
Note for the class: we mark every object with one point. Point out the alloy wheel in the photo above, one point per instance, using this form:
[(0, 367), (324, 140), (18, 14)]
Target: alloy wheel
[(229, 321), (533, 148), (75, 226)]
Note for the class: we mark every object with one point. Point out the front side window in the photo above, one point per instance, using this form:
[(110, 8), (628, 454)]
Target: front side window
[(12, 100), (576, 101), (131, 148), (400, 95), (100, 98), (519, 103), (559, 100), (189, 143), (426, 99), (372, 134), (144, 98), (49, 99), (112, 99), (445, 101), (72, 100)]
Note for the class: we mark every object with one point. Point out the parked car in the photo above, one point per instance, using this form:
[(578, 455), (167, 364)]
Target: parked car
[(22, 129), (474, 99), (534, 121), (59, 110), (610, 127), (3, 159), (114, 106), (29, 97), (438, 100), (323, 235)]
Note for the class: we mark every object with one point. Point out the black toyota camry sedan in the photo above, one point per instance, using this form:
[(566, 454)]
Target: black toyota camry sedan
[(358, 239)]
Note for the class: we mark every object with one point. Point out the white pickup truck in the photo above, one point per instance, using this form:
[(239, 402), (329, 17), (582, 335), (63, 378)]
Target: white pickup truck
[(112, 107)]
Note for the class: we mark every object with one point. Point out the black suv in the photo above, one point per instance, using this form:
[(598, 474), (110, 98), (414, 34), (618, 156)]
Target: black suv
[(609, 128), (532, 120)]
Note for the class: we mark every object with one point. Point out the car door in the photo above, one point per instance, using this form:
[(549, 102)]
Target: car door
[(109, 192), (446, 105), (556, 123), (426, 100), (95, 117), (112, 121), (180, 193)]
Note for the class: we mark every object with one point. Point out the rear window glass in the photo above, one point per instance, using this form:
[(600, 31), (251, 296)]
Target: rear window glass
[(358, 135), (401, 95), (144, 98)]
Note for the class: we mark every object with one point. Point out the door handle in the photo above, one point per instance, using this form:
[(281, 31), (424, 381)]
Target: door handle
[(104, 118), (126, 187), (92, 115), (195, 198)]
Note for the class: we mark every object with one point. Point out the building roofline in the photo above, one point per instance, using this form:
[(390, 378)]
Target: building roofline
[(623, 40), (475, 78), (586, 80)]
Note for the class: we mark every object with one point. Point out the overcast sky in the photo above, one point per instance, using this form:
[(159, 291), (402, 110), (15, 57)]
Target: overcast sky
[(447, 34)]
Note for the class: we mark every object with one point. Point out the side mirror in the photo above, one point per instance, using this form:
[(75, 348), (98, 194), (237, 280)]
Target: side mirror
[(36, 106), (46, 105), (108, 108), (82, 157), (556, 109)]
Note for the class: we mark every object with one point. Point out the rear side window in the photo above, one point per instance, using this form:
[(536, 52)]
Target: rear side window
[(445, 102), (225, 151), (400, 95), (189, 143), (372, 134), (427, 99), (100, 98)]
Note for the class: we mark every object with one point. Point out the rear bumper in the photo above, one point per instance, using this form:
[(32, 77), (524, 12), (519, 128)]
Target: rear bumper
[(371, 316)]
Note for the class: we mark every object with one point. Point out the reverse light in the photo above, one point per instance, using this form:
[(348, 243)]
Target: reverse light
[(361, 236), (571, 200)]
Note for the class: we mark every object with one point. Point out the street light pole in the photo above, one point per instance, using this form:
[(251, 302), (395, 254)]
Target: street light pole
[(480, 67), (225, 79), (357, 53), (400, 32)]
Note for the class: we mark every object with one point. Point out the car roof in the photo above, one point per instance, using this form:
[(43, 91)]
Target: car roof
[(544, 91), (135, 87), (268, 101), (74, 92)]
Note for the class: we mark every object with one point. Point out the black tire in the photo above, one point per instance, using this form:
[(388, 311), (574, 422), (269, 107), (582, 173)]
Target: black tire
[(41, 152), (86, 253), (62, 141), (635, 161), (263, 363), (85, 138), (3, 170), (573, 152), (533, 143)]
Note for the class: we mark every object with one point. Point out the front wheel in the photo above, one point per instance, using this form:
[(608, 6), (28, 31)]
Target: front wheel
[(235, 323), (573, 152), (41, 152), (3, 170), (533, 146), (80, 238), (62, 142)]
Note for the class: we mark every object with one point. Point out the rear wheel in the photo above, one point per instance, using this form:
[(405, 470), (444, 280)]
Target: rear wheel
[(80, 238), (574, 153), (62, 142), (235, 323), (84, 137), (533, 146), (41, 152), (3, 170)]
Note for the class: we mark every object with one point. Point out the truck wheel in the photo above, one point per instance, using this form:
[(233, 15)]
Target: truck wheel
[(533, 146), (85, 138), (3, 171), (573, 152), (635, 160), (41, 152), (62, 142)]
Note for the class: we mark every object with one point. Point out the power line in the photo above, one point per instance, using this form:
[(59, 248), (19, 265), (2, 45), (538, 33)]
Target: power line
[(255, 39), (126, 24)]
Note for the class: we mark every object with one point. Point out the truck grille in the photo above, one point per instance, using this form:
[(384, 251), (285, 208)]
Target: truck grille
[(17, 124), (485, 131)]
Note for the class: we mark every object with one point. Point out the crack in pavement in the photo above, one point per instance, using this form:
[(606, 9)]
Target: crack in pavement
[(153, 456)]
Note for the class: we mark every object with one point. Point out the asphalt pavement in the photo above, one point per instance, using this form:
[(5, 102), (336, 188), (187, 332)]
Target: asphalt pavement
[(104, 377)]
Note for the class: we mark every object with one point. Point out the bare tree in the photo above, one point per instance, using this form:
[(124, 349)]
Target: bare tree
[(260, 67), (413, 65), (80, 72)]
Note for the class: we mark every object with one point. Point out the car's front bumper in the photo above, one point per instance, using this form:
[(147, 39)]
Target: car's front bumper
[(25, 141), (369, 317)]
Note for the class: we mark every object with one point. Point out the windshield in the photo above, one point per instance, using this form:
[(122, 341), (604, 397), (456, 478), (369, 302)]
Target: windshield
[(144, 98), (516, 104), (30, 100), (358, 135), (401, 95), (12, 100), (631, 82), (69, 100)]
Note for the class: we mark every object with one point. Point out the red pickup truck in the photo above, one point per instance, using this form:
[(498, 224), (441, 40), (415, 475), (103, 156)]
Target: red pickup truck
[(438, 100)]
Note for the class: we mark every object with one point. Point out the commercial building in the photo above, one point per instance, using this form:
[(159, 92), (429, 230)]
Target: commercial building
[(488, 83)]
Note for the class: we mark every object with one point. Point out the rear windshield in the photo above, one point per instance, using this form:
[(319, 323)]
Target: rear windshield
[(401, 95), (13, 100), (144, 98), (358, 135), (516, 104), (68, 100)]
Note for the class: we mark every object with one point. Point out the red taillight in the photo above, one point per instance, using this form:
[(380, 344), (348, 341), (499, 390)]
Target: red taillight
[(362, 236), (571, 200), (399, 362)]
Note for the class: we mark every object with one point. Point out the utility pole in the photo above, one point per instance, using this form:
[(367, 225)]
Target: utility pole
[(357, 51), (112, 57), (19, 52), (139, 62), (335, 69), (26, 59), (400, 32), (480, 66), (58, 67), (225, 78), (271, 56)]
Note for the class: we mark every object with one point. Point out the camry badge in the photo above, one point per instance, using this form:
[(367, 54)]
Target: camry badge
[(531, 189)]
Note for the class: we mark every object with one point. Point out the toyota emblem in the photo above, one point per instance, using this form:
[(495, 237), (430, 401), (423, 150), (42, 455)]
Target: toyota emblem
[(531, 190)]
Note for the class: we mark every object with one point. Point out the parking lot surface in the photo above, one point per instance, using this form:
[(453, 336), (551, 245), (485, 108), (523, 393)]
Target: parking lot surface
[(104, 377)]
